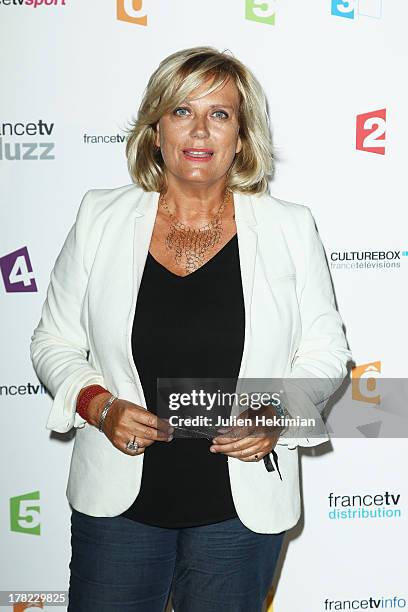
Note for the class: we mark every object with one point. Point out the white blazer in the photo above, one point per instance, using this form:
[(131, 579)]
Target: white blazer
[(292, 329)]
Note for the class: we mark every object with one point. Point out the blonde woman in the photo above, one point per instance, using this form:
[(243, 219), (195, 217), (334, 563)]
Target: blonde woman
[(193, 270)]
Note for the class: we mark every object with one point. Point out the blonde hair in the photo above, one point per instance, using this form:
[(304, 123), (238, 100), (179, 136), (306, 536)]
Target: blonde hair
[(175, 78)]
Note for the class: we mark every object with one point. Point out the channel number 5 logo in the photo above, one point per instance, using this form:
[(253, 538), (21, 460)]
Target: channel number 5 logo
[(131, 11), (17, 272), (25, 513), (258, 10)]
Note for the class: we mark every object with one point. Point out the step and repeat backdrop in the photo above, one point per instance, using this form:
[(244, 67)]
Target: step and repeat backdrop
[(72, 76)]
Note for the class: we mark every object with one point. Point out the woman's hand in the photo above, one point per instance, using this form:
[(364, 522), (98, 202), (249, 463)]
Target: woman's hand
[(249, 442), (124, 420)]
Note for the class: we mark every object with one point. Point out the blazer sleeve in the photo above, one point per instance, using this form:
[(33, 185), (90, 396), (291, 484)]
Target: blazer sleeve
[(59, 344), (320, 362)]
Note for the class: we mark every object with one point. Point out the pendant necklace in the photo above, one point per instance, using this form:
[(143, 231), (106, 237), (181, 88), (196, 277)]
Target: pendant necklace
[(190, 241)]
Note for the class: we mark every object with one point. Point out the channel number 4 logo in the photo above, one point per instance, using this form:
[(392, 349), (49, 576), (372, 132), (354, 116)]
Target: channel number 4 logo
[(349, 8), (131, 11), (370, 132), (258, 10), (17, 272), (25, 513)]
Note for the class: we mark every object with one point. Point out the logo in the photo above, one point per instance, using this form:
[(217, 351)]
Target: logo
[(373, 260), (28, 389), (371, 603), (131, 11), (364, 506), (25, 513), (33, 3), (103, 138), (261, 11), (370, 132), (363, 382), (17, 272), (16, 150), (350, 8)]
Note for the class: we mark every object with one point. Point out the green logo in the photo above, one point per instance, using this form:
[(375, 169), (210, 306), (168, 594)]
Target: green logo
[(25, 513), (260, 10)]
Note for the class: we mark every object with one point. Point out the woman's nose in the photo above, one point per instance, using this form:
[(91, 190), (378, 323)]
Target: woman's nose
[(200, 127)]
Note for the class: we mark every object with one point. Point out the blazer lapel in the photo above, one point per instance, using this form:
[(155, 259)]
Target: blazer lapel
[(145, 216), (247, 245)]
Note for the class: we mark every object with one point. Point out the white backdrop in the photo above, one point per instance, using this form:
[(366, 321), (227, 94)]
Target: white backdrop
[(334, 73)]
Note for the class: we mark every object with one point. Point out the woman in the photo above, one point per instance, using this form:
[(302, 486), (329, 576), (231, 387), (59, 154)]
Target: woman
[(192, 271)]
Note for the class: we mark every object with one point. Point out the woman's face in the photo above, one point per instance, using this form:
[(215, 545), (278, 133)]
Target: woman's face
[(199, 138)]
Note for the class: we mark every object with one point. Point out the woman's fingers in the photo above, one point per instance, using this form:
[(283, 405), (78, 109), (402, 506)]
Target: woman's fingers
[(150, 433), (248, 454), (148, 421), (121, 444), (244, 448), (241, 447), (130, 421), (141, 422)]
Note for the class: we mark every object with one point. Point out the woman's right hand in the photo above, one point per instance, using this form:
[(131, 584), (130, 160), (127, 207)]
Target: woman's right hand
[(124, 420)]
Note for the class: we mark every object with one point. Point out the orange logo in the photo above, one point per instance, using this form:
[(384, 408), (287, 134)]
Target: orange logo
[(364, 384), (21, 607), (131, 11)]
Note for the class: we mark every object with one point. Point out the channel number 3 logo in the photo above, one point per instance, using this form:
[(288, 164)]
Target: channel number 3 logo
[(349, 8), (258, 10)]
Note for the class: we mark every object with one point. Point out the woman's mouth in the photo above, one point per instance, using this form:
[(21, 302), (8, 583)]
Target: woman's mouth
[(198, 154)]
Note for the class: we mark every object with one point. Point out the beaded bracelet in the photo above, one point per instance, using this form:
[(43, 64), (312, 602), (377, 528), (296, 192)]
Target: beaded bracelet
[(86, 396)]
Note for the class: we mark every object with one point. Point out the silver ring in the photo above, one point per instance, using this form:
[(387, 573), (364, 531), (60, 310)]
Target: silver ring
[(133, 446)]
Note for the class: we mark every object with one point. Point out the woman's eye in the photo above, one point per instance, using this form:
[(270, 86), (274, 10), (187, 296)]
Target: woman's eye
[(180, 109), (223, 113)]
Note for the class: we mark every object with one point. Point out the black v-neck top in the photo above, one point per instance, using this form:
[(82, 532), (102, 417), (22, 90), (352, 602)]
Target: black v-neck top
[(187, 326)]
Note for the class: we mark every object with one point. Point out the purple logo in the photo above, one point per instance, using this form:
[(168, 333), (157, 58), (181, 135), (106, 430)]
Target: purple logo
[(17, 272)]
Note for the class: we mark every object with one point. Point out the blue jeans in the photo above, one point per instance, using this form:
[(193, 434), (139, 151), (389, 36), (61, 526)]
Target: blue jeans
[(120, 565)]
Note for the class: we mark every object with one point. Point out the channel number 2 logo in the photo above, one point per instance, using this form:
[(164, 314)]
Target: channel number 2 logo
[(370, 131)]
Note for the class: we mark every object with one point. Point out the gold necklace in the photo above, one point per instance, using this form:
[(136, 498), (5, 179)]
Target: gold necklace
[(193, 242)]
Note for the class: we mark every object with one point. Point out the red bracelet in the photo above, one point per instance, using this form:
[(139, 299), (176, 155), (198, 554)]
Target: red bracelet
[(86, 396)]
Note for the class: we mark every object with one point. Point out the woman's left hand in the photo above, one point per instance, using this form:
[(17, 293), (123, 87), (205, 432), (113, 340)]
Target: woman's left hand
[(249, 442)]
